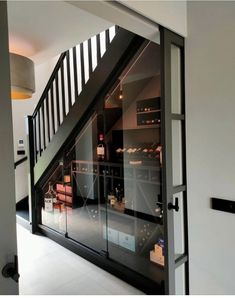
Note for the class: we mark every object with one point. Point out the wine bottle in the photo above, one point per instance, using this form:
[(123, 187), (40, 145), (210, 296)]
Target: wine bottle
[(101, 148), (119, 193), (50, 198)]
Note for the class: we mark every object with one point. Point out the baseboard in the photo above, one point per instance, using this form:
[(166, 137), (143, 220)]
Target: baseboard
[(23, 222)]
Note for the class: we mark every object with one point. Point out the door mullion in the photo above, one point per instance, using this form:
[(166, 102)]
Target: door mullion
[(168, 39), (167, 179)]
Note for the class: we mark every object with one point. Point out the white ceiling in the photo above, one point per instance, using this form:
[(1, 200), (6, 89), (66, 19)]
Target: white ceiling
[(116, 12), (43, 29)]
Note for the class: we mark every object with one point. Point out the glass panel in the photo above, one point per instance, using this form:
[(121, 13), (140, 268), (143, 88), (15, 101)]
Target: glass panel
[(175, 79), (177, 161), (55, 195), (87, 217), (180, 280), (133, 185), (179, 232)]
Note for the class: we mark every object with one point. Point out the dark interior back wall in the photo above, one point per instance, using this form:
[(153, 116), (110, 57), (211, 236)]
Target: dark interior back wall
[(129, 118)]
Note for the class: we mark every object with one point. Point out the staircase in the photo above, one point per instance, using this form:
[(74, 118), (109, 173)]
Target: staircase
[(82, 74), (73, 70)]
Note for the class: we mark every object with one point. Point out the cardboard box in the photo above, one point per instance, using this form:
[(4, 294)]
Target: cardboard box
[(127, 241), (158, 250), (156, 258)]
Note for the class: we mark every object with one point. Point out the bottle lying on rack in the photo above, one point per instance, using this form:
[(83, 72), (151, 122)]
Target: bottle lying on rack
[(140, 152), (150, 121), (146, 109)]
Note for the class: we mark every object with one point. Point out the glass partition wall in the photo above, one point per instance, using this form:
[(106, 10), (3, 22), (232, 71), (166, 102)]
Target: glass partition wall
[(134, 214), (107, 192)]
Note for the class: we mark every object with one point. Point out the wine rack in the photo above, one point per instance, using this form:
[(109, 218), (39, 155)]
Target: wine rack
[(148, 111), (141, 153), (139, 180), (115, 170)]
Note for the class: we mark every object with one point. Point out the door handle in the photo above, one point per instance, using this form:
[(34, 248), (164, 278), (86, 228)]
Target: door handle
[(10, 270), (175, 206)]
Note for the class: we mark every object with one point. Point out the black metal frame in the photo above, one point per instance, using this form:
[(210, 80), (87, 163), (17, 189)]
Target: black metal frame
[(31, 152), (167, 39)]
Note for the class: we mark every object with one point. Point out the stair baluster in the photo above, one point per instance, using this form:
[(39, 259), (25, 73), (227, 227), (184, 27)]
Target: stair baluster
[(71, 73)]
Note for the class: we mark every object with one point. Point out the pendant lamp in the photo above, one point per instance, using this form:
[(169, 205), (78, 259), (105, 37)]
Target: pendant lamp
[(120, 96), (22, 77)]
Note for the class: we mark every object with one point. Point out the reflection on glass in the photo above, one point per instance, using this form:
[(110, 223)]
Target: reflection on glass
[(175, 80), (109, 184), (55, 195), (133, 186), (87, 217), (177, 158), (179, 233), (180, 280)]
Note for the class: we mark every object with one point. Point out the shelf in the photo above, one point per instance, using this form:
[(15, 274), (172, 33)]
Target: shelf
[(132, 215), (147, 112), (149, 103), (84, 172), (115, 171), (144, 126), (64, 193)]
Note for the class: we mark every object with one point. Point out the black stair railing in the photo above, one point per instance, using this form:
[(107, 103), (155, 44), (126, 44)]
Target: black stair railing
[(70, 75)]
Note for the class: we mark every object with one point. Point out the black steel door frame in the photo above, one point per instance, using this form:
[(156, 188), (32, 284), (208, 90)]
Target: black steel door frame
[(168, 38)]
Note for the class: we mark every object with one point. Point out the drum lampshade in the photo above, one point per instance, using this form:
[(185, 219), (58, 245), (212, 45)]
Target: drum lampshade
[(22, 77)]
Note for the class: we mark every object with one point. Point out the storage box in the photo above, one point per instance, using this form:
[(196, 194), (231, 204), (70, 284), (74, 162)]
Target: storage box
[(158, 250), (127, 241), (156, 258), (111, 233), (63, 188), (65, 198), (67, 179)]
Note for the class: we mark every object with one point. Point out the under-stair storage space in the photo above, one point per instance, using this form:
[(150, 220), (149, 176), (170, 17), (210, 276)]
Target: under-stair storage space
[(102, 178), (106, 189)]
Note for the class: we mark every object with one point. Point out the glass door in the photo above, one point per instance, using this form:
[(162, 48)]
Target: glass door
[(86, 219), (174, 182), (73, 198), (135, 230)]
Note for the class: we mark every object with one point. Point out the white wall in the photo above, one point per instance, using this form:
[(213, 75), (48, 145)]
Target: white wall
[(210, 99), (170, 14), (8, 246), (20, 109), (58, 28), (119, 15)]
